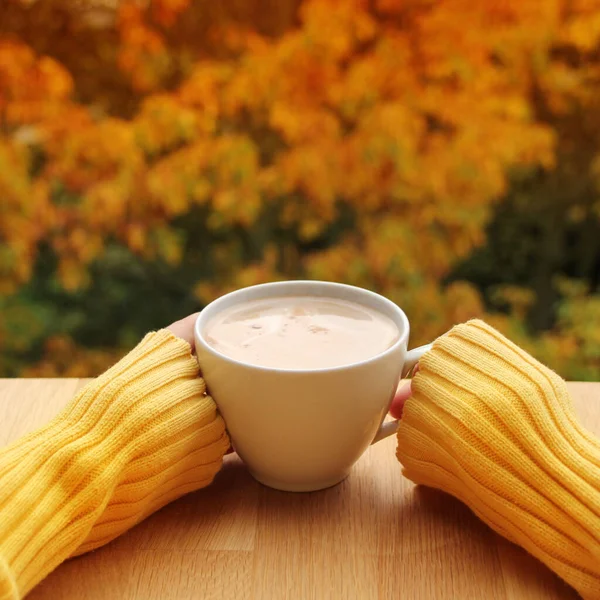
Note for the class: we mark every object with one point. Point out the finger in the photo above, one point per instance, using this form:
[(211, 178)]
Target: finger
[(402, 395), (184, 328)]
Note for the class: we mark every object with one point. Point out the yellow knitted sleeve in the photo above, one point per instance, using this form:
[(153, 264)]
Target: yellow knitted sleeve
[(495, 428), (137, 437)]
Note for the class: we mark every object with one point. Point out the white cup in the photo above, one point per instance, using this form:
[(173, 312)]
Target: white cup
[(302, 430)]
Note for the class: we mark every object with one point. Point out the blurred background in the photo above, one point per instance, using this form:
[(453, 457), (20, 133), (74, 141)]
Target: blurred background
[(155, 154)]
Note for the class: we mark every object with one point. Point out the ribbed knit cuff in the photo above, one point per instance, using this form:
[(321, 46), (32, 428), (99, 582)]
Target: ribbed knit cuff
[(8, 585), (137, 437), (495, 428)]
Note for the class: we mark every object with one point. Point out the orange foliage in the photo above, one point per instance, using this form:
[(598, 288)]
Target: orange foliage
[(64, 357), (409, 114)]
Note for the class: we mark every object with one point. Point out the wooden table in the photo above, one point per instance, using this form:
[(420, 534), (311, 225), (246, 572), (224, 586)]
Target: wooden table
[(375, 536)]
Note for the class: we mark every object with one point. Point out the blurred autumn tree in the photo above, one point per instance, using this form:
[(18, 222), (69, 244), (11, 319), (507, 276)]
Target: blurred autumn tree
[(156, 154)]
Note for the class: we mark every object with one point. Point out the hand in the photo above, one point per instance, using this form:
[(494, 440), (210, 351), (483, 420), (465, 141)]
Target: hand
[(184, 328), (403, 393)]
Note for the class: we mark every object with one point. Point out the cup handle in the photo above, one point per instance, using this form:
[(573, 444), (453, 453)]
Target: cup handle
[(412, 358)]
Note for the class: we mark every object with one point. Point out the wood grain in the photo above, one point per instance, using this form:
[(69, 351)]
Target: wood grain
[(375, 536)]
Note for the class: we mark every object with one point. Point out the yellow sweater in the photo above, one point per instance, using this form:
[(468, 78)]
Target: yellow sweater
[(487, 424), (136, 438), (495, 428)]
